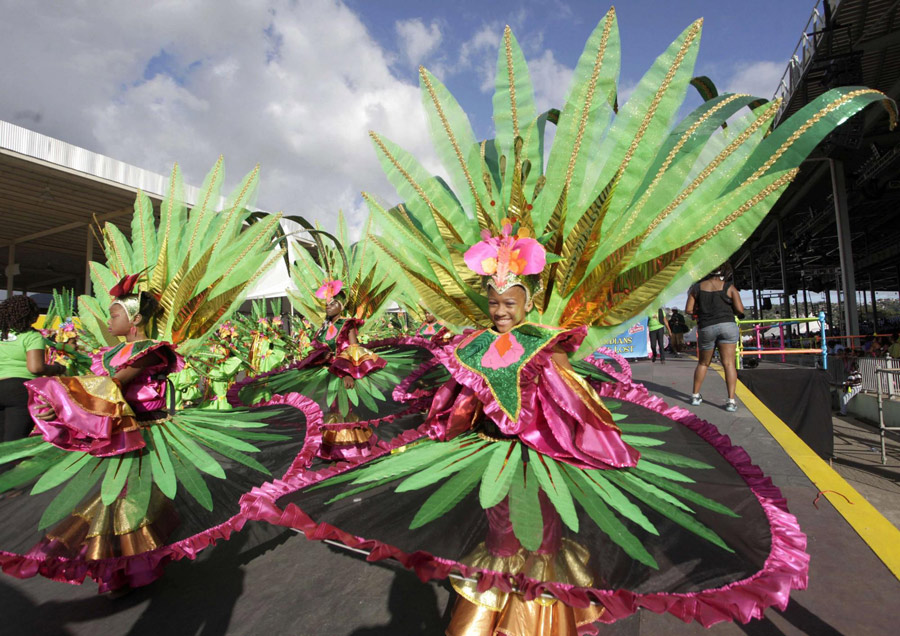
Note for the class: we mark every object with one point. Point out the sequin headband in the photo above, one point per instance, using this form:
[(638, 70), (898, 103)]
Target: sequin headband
[(122, 292), (508, 260)]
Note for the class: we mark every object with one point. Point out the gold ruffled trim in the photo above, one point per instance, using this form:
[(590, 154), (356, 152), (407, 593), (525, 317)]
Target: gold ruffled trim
[(347, 436), (106, 533), (97, 394), (520, 618), (357, 354), (567, 565)]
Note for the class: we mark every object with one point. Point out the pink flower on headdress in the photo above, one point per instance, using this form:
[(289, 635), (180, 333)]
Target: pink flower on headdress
[(329, 289), (499, 256)]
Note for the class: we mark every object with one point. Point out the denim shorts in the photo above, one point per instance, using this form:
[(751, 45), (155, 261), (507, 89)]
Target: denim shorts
[(724, 333)]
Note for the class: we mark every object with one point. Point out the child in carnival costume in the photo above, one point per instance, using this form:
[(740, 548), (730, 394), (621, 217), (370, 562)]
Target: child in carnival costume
[(61, 334), (563, 493), (430, 326), (352, 383), (121, 482)]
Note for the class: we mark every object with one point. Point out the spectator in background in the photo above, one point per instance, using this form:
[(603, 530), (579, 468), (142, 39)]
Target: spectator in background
[(679, 327), (21, 359), (656, 323), (851, 386), (714, 302), (894, 349)]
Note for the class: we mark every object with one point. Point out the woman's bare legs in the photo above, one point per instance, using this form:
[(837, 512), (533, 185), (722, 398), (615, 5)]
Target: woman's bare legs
[(703, 361), (726, 352)]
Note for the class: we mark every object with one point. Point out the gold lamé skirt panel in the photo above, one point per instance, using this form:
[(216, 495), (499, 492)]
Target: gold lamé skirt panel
[(97, 531)]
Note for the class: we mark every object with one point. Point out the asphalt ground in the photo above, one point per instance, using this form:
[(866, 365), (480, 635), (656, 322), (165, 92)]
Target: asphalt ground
[(270, 581)]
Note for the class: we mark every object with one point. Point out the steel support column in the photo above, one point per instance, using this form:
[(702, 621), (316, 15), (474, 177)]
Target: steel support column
[(845, 248)]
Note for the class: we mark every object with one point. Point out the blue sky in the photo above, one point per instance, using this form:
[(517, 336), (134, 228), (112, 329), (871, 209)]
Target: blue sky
[(737, 37)]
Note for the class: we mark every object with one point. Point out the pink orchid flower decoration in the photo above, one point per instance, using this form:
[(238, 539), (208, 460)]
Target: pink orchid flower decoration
[(499, 256), (329, 289)]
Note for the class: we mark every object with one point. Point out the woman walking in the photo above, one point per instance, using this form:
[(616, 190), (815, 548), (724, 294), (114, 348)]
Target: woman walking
[(714, 302)]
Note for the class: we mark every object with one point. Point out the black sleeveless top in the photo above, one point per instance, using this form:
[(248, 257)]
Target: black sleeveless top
[(712, 307)]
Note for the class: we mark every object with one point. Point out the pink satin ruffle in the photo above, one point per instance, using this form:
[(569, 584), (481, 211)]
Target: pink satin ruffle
[(75, 429)]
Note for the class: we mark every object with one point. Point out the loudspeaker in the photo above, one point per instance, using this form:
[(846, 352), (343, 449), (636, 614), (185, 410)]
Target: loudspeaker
[(767, 303)]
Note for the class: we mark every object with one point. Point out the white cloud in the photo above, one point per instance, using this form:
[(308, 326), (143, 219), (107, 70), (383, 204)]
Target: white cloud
[(551, 81), (479, 53), (756, 78), (293, 88), (419, 41)]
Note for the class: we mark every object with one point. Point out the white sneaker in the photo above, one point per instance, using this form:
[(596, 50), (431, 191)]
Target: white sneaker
[(696, 399), (730, 406)]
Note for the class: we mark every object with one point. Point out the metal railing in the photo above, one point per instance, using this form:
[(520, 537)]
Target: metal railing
[(758, 349), (802, 55), (878, 375), (892, 376)]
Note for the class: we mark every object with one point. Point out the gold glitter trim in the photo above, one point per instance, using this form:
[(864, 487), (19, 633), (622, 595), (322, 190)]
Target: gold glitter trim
[(507, 41), (589, 97), (203, 207), (809, 123), (449, 132), (671, 156)]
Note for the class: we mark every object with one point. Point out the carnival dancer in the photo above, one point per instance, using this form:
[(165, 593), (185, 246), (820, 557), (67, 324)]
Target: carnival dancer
[(122, 482), (563, 500), (353, 384), (430, 326)]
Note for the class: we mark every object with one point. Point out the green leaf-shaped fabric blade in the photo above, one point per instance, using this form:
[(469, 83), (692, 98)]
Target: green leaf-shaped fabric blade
[(412, 459), (140, 484), (332, 390), (117, 469), (446, 467), (190, 451), (203, 434), (607, 522), (662, 471), (505, 460), (616, 499), (525, 509), (62, 471), (352, 491), (70, 496), (353, 396), (343, 402), (25, 471), (629, 475), (673, 459), (554, 486), (640, 441), (365, 396), (617, 417), (666, 509), (685, 493), (193, 482), (643, 428), (446, 497), (161, 463), (20, 448), (236, 455)]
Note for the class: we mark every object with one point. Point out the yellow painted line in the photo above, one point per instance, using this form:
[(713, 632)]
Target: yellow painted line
[(878, 533)]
